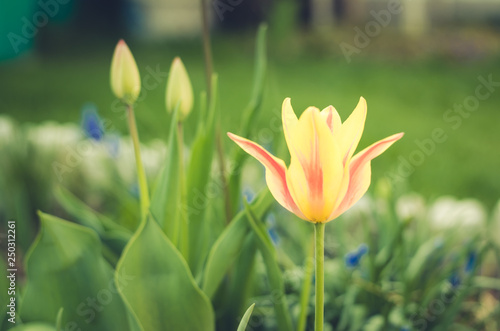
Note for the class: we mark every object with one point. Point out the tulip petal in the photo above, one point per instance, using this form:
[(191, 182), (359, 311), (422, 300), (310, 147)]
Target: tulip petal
[(179, 91), (289, 119), (352, 129), (360, 172), (315, 173), (125, 78), (275, 172), (332, 118)]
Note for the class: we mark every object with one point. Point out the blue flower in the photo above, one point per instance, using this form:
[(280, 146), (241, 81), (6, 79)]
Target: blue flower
[(455, 280), (274, 235), (471, 262), (271, 222), (352, 259), (249, 194), (91, 122), (362, 249)]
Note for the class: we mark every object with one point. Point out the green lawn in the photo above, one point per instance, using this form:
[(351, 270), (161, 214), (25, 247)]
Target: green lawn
[(403, 95)]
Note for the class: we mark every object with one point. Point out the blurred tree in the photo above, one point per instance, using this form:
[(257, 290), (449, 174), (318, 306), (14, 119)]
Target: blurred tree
[(103, 17), (339, 10)]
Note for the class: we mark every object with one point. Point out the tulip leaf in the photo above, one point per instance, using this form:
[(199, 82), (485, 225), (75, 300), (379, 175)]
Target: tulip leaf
[(166, 199), (250, 112), (34, 327), (114, 236), (240, 279), (59, 319), (228, 245), (198, 176), (162, 294), (274, 274), (66, 259), (75, 207), (85, 215), (246, 318), (416, 264), (256, 97)]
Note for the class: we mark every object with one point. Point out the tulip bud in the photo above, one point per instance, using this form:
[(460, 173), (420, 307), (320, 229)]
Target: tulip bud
[(179, 90), (125, 79)]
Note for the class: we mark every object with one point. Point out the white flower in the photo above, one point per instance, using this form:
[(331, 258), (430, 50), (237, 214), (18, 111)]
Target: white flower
[(448, 212), (7, 130), (363, 207), (410, 206), (52, 136)]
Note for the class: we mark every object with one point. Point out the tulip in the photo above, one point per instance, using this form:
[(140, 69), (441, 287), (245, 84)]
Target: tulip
[(324, 178), (125, 79), (179, 90), (126, 85)]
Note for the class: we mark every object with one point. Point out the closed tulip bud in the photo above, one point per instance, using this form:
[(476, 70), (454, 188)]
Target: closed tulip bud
[(125, 79), (179, 90)]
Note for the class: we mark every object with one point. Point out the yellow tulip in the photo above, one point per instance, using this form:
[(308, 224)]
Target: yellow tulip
[(125, 79), (179, 90), (324, 178)]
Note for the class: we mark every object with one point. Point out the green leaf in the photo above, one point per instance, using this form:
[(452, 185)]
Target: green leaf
[(59, 319), (255, 102), (239, 286), (34, 327), (246, 318), (85, 215), (198, 176), (78, 209), (65, 269), (374, 323), (114, 236), (166, 199), (162, 294), (274, 274), (228, 246), (249, 113), (417, 262)]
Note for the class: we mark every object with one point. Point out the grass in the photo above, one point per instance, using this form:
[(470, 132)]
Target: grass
[(402, 94)]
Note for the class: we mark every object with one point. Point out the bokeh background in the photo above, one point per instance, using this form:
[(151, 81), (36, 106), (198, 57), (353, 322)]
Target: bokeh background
[(419, 64), (427, 227)]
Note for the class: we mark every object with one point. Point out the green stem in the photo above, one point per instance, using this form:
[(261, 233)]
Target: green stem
[(306, 288), (141, 174), (184, 235), (225, 186), (319, 235), (207, 49)]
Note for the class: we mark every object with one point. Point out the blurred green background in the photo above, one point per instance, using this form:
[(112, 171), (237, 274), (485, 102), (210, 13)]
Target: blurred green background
[(428, 68), (412, 72)]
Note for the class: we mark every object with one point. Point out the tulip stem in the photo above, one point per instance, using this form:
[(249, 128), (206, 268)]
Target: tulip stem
[(319, 234), (222, 166), (141, 174), (184, 235)]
